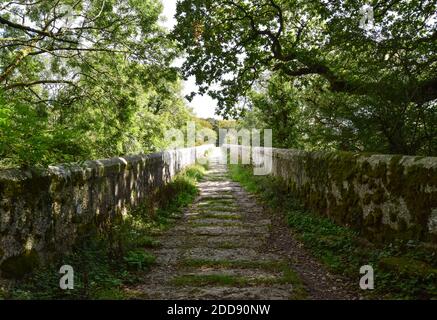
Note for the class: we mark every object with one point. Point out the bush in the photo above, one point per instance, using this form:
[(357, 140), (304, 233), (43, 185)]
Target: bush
[(138, 259)]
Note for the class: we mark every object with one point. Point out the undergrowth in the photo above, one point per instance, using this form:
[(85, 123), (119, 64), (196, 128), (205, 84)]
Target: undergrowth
[(106, 261), (403, 269)]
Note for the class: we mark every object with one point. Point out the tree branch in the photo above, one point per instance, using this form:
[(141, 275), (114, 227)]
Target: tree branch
[(33, 83)]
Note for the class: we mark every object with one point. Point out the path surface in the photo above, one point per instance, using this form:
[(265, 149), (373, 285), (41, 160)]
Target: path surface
[(228, 247)]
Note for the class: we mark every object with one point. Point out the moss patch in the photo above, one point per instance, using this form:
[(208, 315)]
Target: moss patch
[(218, 216), (407, 267), (334, 183), (208, 280), (18, 266), (234, 281), (233, 264), (228, 245), (206, 209), (224, 224)]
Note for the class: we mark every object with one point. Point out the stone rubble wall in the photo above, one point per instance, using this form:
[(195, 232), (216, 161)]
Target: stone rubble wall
[(384, 197), (42, 213)]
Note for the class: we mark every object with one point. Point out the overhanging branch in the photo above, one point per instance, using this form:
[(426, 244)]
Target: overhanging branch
[(33, 83)]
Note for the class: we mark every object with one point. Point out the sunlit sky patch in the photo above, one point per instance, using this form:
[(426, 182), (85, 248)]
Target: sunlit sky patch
[(203, 106)]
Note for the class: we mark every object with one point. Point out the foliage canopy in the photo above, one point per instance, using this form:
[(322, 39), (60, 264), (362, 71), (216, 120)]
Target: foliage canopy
[(82, 79), (346, 74)]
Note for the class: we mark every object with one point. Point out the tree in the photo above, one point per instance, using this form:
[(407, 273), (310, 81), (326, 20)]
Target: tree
[(276, 107), (92, 78), (57, 44), (307, 116), (301, 38), (231, 44)]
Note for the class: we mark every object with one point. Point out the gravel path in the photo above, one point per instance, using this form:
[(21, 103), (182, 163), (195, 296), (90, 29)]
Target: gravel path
[(229, 247)]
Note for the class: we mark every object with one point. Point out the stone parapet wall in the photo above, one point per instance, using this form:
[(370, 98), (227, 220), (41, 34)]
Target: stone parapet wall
[(384, 197), (42, 213)]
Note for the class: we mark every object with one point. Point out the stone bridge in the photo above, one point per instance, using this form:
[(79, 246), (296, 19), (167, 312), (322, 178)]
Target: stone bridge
[(382, 196)]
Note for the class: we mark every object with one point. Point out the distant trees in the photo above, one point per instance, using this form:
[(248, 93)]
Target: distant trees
[(347, 88)]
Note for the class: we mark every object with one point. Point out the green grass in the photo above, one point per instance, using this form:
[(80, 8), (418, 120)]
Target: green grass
[(224, 224), (196, 172), (212, 205), (216, 179), (218, 216), (403, 269), (224, 209), (209, 280), (210, 198), (218, 202), (104, 262), (231, 280), (288, 275), (228, 245), (138, 259), (147, 241), (234, 264)]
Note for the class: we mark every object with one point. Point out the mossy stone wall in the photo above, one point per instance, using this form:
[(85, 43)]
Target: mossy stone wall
[(43, 213), (382, 196)]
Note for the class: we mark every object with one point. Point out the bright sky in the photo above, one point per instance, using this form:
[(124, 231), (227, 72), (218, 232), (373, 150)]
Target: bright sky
[(203, 106)]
